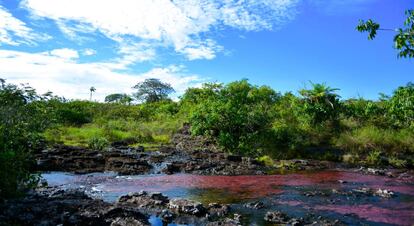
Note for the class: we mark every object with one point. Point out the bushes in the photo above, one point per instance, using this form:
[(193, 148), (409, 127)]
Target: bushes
[(401, 106), (237, 116), (98, 143), (23, 116)]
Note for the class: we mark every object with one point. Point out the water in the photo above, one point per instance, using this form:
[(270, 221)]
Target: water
[(281, 192)]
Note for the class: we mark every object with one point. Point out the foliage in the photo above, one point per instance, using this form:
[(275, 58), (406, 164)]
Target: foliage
[(98, 143), (23, 116), (403, 40), (321, 103), (266, 160), (152, 90), (400, 106), (371, 138), (374, 158), (73, 112), (118, 98), (368, 26), (238, 116)]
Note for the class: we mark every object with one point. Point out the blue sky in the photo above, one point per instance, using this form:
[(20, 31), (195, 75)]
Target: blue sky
[(66, 46)]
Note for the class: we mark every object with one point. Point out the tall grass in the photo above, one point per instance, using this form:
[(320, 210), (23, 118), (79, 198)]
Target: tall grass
[(370, 138)]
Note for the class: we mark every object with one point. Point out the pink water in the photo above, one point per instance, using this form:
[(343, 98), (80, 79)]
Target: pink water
[(286, 190)]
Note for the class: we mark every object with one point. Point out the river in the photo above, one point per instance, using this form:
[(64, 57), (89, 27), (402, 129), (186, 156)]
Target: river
[(331, 193)]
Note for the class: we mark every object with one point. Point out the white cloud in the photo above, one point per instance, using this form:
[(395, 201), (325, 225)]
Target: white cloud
[(65, 53), (48, 71), (88, 52), (183, 24), (15, 32)]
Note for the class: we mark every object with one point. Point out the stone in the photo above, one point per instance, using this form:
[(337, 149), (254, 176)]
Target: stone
[(187, 207), (276, 217)]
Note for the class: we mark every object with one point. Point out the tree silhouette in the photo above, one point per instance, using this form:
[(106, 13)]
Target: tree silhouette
[(152, 90), (92, 90)]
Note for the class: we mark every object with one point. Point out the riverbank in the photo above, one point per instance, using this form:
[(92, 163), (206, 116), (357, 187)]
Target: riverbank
[(325, 197)]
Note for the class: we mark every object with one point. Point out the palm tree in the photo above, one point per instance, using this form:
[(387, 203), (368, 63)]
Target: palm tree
[(319, 93), (92, 90)]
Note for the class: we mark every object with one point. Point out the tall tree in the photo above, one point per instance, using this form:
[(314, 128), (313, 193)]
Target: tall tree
[(403, 40), (152, 90), (321, 103), (118, 98), (92, 90)]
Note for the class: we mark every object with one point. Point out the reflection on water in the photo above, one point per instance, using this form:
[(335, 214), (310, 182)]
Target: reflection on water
[(284, 191)]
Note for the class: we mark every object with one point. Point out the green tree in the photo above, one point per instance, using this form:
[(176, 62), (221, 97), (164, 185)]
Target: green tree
[(400, 106), (118, 98), (152, 90), (23, 116), (403, 40), (237, 115), (91, 90), (321, 103)]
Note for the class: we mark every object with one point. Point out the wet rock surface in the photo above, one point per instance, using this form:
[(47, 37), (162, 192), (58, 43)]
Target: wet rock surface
[(82, 160), (135, 161), (73, 207), (53, 206)]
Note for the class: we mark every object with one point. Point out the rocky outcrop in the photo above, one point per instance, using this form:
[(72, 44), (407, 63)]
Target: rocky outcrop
[(184, 141), (82, 160), (73, 207)]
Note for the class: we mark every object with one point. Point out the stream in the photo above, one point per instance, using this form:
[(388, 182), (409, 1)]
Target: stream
[(335, 194)]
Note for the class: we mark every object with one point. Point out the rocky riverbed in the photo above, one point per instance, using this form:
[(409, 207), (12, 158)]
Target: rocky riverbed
[(191, 182)]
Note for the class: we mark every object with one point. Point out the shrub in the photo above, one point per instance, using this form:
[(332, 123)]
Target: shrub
[(98, 143), (23, 116), (238, 117), (266, 160), (401, 106), (374, 158)]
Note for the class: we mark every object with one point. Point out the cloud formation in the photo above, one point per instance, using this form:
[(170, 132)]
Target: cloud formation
[(59, 72), (15, 32), (183, 24)]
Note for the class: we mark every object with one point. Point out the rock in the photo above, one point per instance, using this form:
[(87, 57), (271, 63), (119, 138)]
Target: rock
[(380, 192), (234, 158), (187, 207), (71, 207), (166, 216), (255, 205), (129, 221), (384, 193), (127, 165), (144, 200), (276, 217), (218, 210)]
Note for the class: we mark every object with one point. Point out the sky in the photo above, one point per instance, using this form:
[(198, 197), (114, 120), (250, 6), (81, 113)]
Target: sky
[(67, 46)]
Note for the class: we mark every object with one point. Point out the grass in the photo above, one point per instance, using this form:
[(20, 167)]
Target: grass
[(141, 133), (366, 139)]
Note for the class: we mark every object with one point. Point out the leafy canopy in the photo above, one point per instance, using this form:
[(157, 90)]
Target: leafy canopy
[(237, 115), (403, 40), (152, 90), (321, 103), (118, 98), (23, 116)]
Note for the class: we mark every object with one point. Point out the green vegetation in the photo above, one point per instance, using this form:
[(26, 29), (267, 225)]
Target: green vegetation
[(23, 116), (403, 40), (242, 119)]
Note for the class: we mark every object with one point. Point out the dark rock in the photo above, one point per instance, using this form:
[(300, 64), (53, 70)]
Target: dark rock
[(218, 210), (234, 158), (144, 200), (187, 207), (255, 205), (166, 216), (276, 217)]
